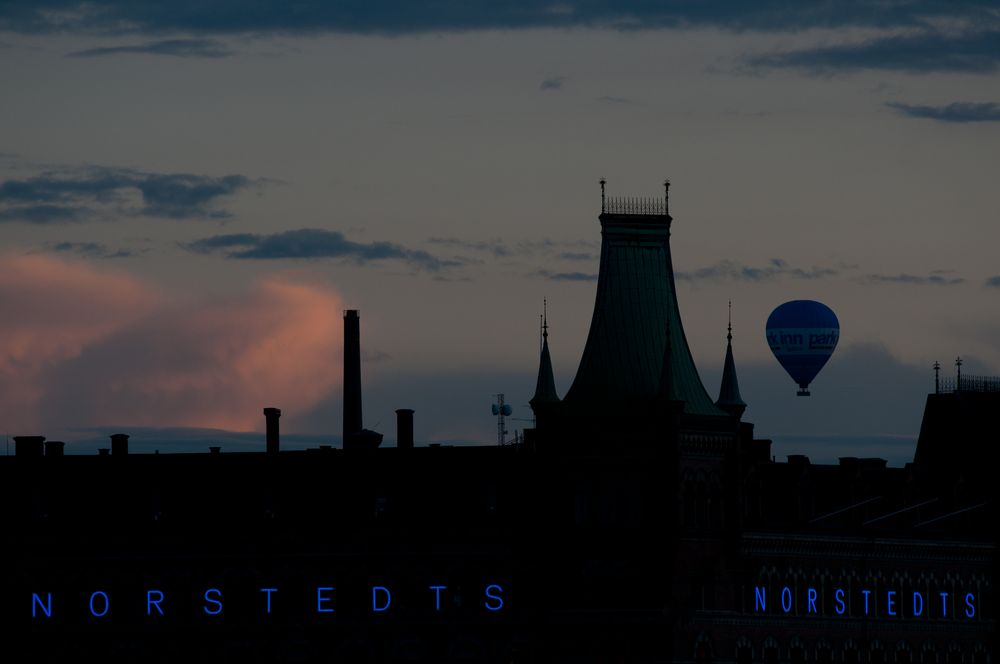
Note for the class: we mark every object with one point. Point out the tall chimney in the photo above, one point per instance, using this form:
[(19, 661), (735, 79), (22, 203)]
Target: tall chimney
[(119, 444), (54, 448), (28, 446), (271, 415), (404, 428), (352, 374)]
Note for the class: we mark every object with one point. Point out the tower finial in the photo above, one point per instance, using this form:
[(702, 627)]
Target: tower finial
[(603, 182), (729, 329), (666, 196), (958, 379), (545, 319), (937, 384)]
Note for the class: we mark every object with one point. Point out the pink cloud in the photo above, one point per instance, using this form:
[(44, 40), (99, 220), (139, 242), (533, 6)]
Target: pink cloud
[(102, 349), (51, 311)]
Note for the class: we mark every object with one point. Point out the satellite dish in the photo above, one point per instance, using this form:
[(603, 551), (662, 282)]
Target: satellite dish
[(802, 335), (496, 409), (507, 410)]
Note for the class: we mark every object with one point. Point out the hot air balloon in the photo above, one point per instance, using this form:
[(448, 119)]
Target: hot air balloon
[(802, 335)]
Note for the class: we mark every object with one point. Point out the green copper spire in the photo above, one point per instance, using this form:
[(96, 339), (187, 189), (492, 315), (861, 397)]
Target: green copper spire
[(636, 305)]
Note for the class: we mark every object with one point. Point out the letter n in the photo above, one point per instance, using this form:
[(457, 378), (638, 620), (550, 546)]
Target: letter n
[(760, 599), (36, 603)]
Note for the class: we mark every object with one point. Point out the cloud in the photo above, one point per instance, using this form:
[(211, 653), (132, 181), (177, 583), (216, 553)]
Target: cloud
[(566, 276), (578, 256), (500, 249), (993, 282), (884, 395), (611, 99), (86, 347), (312, 243), (495, 247), (733, 271), (401, 17), (554, 83), (925, 51), (92, 192), (89, 250), (209, 363), (181, 48), (933, 279), (52, 311), (548, 245), (43, 214), (954, 112)]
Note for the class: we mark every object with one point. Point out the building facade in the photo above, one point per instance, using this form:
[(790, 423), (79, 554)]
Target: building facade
[(640, 520)]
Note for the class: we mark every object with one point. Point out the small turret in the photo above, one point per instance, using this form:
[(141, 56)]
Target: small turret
[(545, 387), (729, 392)]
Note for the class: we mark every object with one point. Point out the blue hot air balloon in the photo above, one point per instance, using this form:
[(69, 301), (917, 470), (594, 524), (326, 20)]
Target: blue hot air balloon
[(802, 335)]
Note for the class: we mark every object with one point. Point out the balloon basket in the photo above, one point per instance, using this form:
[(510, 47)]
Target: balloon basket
[(802, 393)]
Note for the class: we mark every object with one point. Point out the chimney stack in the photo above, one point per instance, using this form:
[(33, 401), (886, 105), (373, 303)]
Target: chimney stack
[(404, 428), (352, 374), (54, 448), (271, 415), (28, 446), (119, 444)]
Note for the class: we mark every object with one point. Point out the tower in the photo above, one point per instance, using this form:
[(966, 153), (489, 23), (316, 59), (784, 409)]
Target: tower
[(636, 387), (635, 310), (355, 436), (352, 373)]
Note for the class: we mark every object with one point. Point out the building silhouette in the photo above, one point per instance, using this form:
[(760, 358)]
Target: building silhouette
[(639, 521)]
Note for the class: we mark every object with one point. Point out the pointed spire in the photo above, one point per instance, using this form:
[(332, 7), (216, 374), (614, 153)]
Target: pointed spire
[(729, 392), (545, 387)]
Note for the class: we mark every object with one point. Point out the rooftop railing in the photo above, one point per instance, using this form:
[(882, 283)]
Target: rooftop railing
[(627, 205), (966, 383)]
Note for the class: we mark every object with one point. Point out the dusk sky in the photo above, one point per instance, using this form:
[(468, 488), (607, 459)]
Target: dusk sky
[(191, 193)]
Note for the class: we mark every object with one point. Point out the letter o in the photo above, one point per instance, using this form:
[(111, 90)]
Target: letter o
[(786, 599), (107, 604)]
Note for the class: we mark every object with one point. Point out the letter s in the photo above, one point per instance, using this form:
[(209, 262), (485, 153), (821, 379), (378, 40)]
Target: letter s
[(215, 602), (841, 606), (970, 605), (498, 600)]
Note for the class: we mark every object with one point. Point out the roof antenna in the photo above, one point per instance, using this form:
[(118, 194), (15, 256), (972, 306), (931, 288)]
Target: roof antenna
[(937, 385), (603, 182), (666, 196)]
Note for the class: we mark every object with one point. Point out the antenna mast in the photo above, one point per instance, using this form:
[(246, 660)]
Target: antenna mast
[(502, 411)]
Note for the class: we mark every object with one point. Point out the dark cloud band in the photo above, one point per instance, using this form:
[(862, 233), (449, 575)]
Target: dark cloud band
[(404, 16), (90, 193), (914, 279), (181, 48), (925, 51), (312, 243), (733, 271), (959, 112)]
